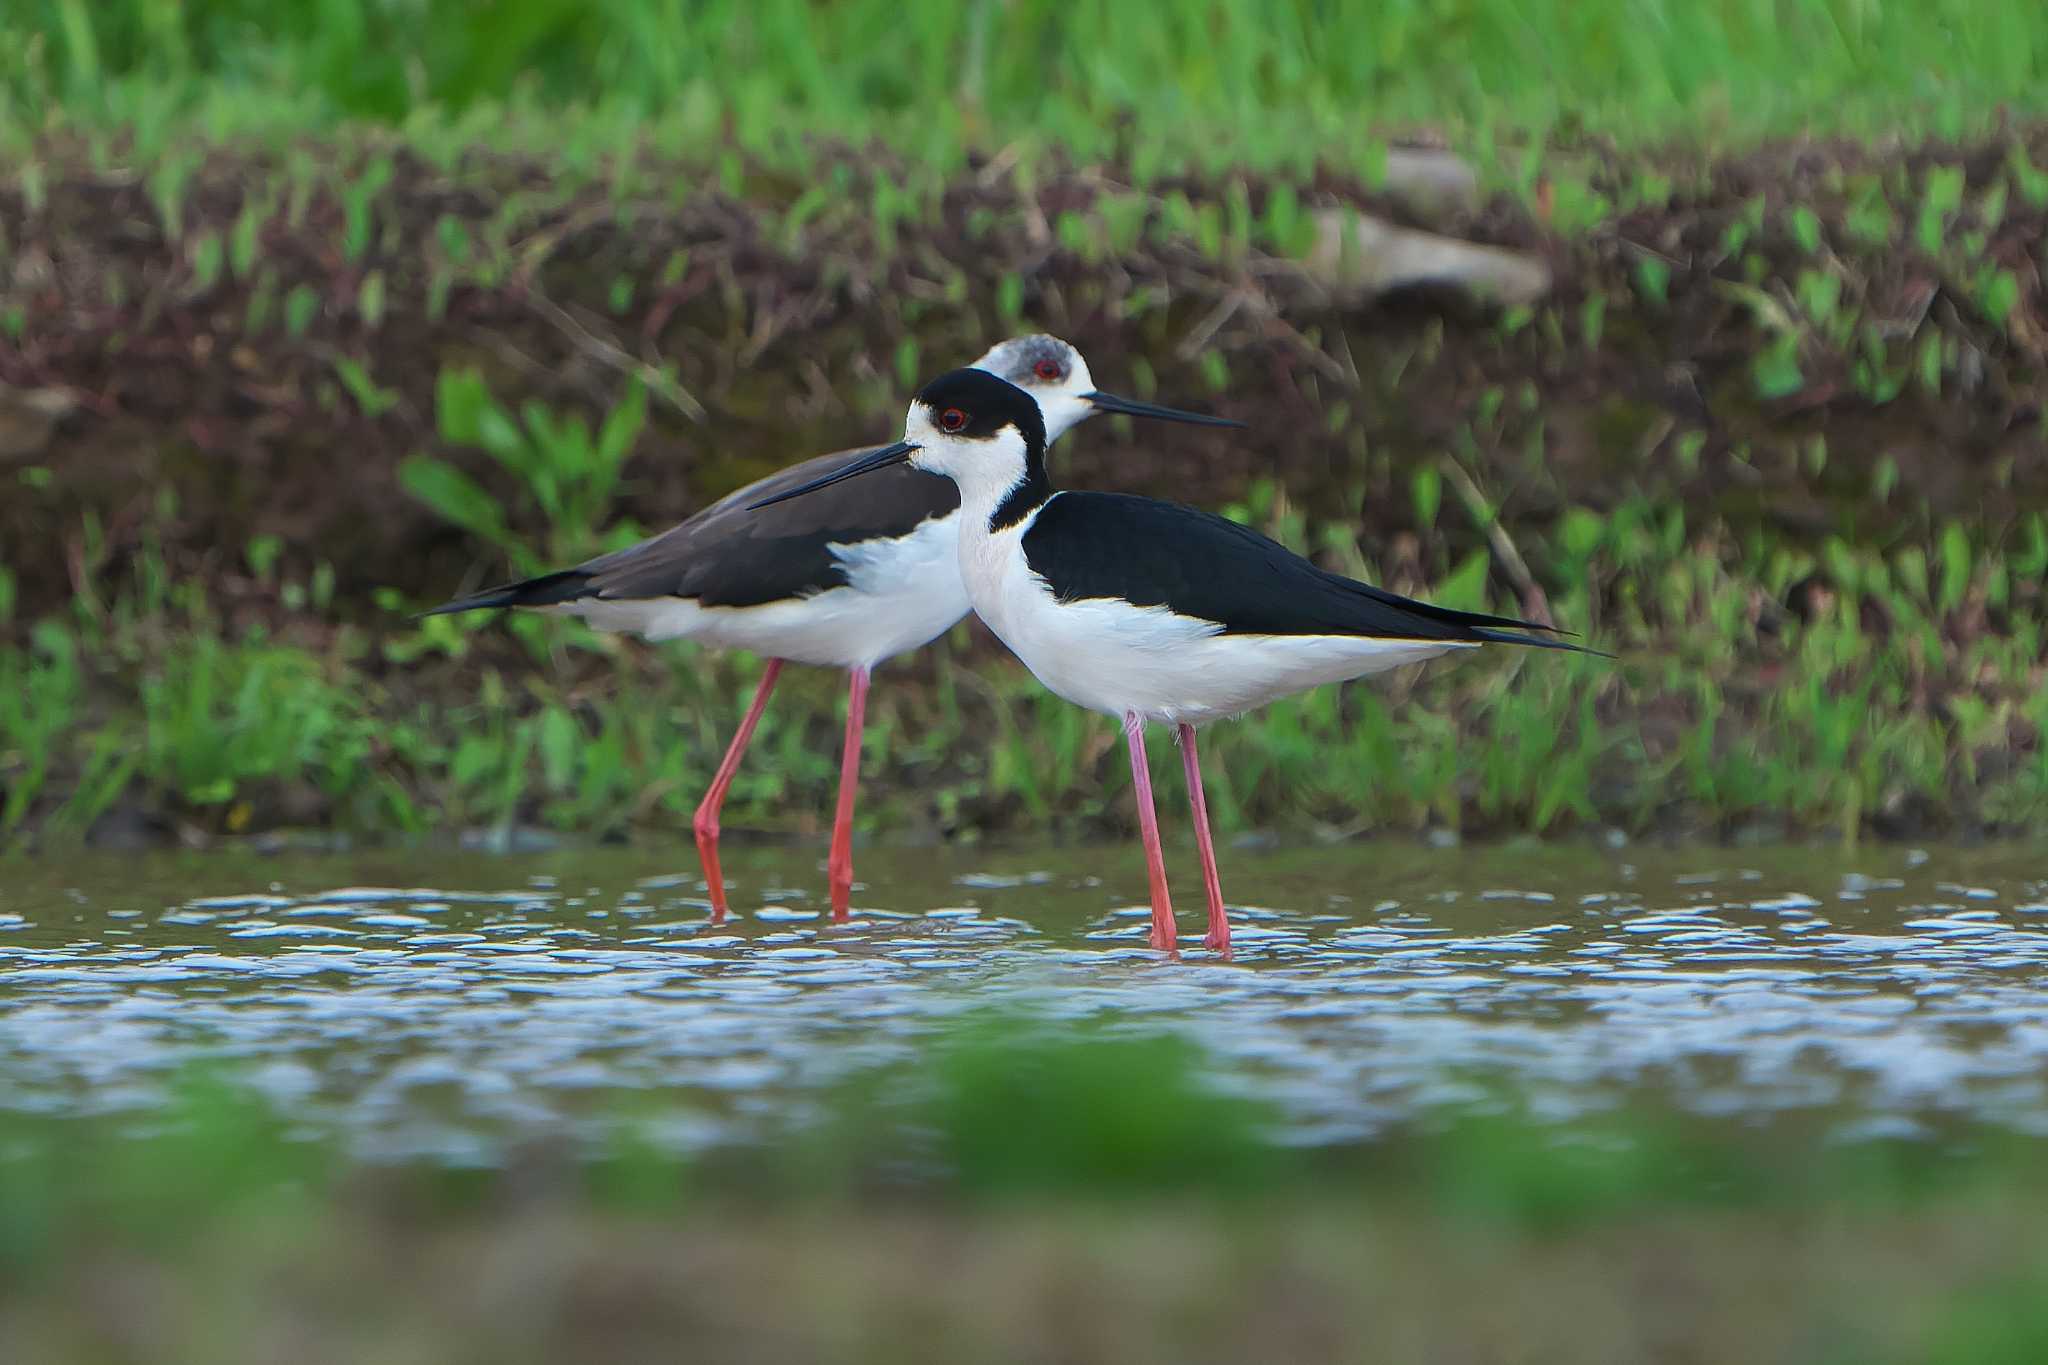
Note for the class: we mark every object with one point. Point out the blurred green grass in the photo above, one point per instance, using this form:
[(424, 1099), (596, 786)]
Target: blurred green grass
[(1711, 718), (1266, 83), (1024, 1187)]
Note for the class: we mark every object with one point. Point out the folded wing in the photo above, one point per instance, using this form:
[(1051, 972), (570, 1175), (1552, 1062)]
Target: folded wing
[(1199, 565)]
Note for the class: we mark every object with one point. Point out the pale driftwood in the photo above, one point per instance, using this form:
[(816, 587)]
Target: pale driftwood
[(29, 417), (1360, 255), (1432, 185)]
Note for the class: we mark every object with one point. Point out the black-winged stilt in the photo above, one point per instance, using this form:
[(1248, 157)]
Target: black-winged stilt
[(842, 581), (1147, 610)]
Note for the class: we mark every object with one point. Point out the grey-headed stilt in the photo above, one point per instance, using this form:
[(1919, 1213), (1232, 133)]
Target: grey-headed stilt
[(842, 580)]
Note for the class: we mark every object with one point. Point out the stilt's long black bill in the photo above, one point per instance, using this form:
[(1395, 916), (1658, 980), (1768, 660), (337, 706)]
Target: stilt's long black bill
[(1131, 407), (867, 464)]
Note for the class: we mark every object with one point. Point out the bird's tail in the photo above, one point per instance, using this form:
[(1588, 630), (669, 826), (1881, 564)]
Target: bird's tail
[(548, 590)]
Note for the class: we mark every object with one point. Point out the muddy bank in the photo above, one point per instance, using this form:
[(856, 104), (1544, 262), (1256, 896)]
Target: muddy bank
[(194, 345)]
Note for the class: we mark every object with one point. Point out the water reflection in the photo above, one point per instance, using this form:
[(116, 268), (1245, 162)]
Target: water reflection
[(501, 997)]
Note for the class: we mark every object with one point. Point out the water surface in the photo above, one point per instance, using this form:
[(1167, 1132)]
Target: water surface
[(446, 1005)]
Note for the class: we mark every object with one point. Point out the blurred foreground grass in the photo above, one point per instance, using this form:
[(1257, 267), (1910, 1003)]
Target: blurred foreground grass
[(1259, 83), (1023, 1192)]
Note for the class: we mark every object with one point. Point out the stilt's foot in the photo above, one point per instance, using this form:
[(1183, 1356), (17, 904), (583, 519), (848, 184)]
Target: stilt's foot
[(1165, 934), (714, 878), (1217, 940), (842, 896)]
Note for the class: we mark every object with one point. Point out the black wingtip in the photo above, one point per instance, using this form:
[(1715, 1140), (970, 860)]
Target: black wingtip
[(1508, 637), (508, 595), (550, 589), (480, 602)]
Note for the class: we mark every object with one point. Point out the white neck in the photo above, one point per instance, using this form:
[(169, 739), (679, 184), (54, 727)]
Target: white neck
[(986, 556), (979, 499), (989, 558)]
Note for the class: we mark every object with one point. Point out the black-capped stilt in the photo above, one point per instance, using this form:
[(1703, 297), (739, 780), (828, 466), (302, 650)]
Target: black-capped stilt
[(1147, 610)]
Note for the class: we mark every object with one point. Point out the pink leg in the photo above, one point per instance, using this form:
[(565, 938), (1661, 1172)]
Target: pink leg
[(839, 869), (706, 823), (1148, 825), (1219, 918)]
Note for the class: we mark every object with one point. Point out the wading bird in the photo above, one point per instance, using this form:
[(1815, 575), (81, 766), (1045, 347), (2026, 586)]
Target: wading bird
[(1147, 610), (844, 580)]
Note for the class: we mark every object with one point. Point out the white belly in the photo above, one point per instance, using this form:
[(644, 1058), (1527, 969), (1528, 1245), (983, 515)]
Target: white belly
[(899, 594), (1110, 656)]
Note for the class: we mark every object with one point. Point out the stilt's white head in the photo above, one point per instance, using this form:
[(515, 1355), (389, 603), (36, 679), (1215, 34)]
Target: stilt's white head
[(1057, 378), (1052, 372)]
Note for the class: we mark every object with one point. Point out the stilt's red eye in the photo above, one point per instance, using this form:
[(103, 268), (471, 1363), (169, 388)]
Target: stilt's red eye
[(1048, 370), (952, 419)]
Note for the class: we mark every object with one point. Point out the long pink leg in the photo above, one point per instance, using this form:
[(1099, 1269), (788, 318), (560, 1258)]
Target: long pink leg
[(706, 822), (1163, 931), (1219, 918), (839, 868)]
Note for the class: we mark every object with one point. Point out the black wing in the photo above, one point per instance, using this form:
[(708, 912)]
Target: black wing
[(1197, 564), (726, 556)]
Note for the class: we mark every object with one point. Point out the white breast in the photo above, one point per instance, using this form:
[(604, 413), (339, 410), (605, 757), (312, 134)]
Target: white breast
[(1113, 657), (900, 593)]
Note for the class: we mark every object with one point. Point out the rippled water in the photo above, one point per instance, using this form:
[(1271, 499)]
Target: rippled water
[(523, 995)]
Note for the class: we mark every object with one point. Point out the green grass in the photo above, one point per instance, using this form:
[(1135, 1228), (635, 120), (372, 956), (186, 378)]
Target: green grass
[(1262, 83), (569, 475), (1022, 1189), (1706, 722)]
